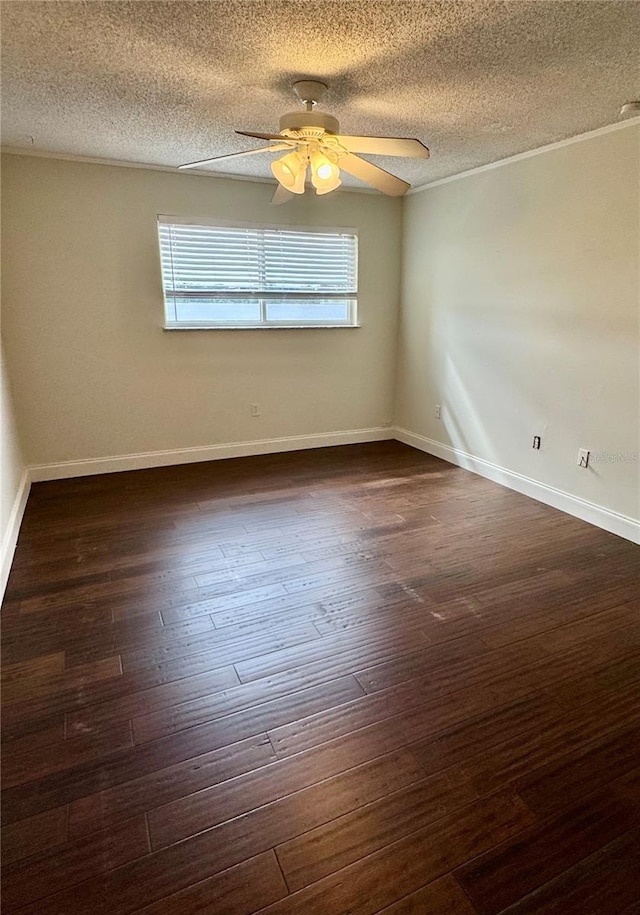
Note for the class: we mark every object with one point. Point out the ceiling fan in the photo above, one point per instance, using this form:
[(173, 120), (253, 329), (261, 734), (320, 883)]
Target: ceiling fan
[(312, 140)]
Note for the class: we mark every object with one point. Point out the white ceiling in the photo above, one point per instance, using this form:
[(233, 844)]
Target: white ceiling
[(167, 82)]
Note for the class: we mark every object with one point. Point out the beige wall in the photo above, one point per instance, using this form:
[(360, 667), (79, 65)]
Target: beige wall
[(520, 316), (93, 373), (11, 473)]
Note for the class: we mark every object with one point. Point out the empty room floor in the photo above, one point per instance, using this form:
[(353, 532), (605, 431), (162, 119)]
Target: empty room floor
[(350, 680)]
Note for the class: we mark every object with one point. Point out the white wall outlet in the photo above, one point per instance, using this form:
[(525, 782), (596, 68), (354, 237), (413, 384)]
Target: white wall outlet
[(438, 411), (255, 409), (583, 457)]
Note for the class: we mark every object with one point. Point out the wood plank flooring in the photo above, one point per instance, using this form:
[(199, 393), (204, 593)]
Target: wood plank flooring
[(349, 680)]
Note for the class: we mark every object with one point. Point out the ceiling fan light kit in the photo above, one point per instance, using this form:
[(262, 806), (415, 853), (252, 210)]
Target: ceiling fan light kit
[(291, 172), (311, 140), (325, 174)]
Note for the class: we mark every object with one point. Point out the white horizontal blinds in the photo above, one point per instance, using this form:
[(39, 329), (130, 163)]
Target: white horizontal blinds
[(298, 262), (233, 274), (203, 259)]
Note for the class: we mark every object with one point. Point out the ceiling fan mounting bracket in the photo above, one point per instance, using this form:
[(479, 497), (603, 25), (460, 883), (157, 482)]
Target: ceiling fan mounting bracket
[(310, 91)]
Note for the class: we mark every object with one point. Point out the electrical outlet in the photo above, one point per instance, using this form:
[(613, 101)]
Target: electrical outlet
[(536, 443), (438, 411), (255, 409), (583, 457)]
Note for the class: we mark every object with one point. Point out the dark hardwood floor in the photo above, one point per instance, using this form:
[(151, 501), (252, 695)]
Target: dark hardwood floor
[(351, 680)]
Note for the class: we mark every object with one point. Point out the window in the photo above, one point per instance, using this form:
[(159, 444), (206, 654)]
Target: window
[(242, 275)]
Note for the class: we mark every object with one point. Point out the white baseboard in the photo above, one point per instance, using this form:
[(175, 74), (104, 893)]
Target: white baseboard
[(615, 523), (10, 537), (66, 469)]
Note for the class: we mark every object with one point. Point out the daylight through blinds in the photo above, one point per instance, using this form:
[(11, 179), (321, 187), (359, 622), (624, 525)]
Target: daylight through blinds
[(221, 275)]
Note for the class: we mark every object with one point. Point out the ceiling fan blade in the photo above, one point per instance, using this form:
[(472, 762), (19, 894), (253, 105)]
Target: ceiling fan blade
[(385, 146), (379, 178), (261, 136), (282, 195), (276, 147)]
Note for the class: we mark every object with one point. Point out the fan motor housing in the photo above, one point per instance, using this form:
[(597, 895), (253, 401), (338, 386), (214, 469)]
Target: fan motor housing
[(297, 120)]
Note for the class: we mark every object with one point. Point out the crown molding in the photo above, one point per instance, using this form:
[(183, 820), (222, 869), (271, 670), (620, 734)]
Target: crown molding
[(416, 189), (122, 163), (518, 157)]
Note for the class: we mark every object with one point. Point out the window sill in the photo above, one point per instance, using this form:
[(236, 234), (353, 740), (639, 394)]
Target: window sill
[(266, 327)]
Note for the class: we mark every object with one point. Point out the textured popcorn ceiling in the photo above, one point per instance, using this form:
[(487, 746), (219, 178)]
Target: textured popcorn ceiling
[(167, 82)]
